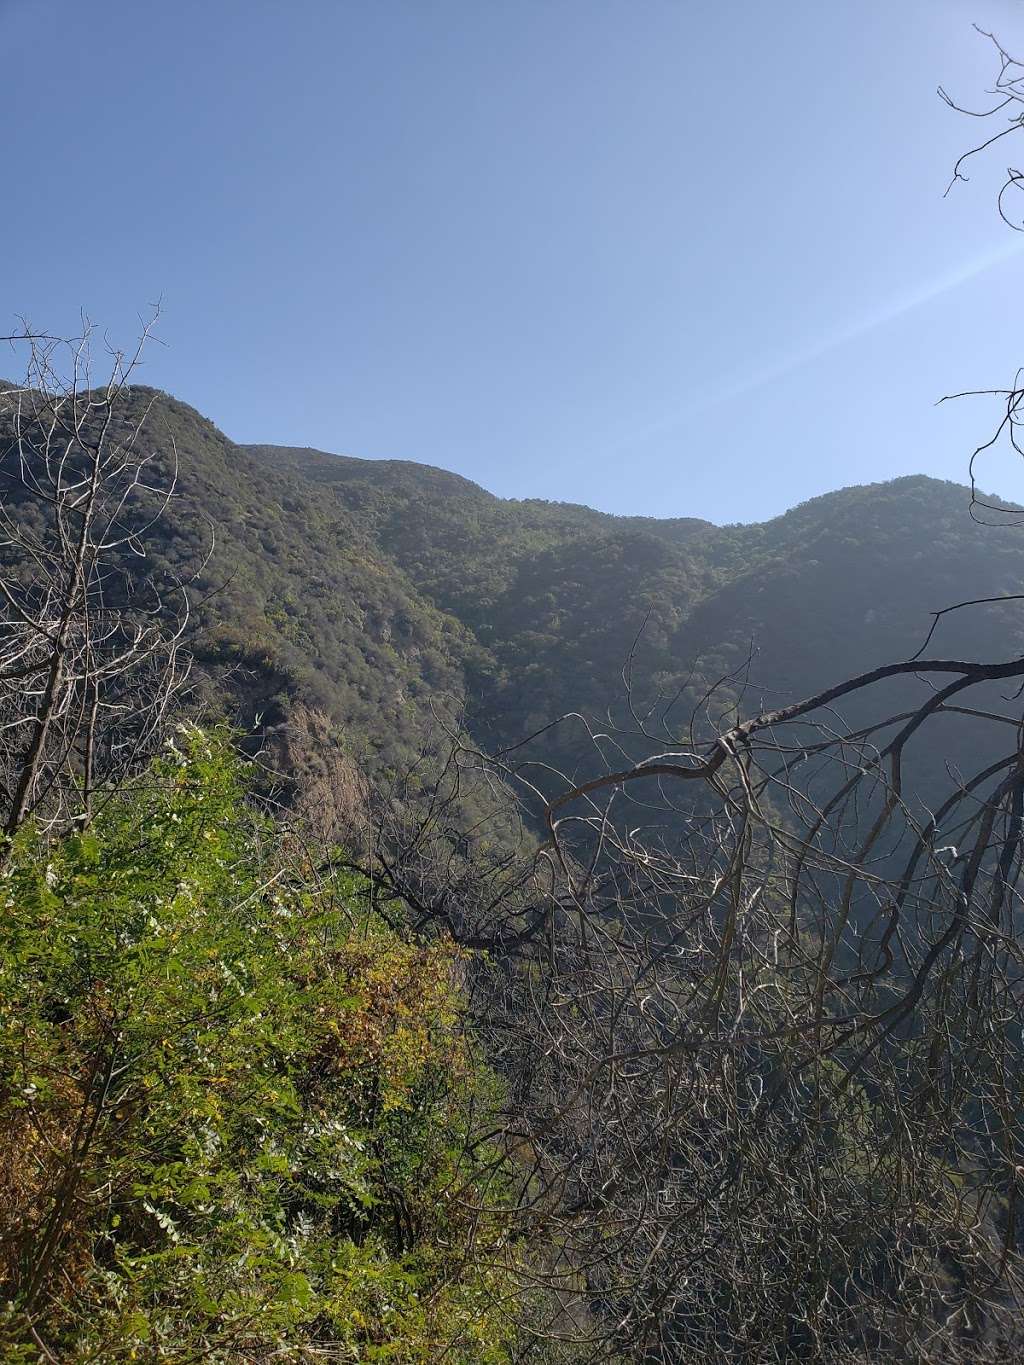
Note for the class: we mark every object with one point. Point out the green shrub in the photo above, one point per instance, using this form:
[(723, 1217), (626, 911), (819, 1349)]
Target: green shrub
[(240, 1120)]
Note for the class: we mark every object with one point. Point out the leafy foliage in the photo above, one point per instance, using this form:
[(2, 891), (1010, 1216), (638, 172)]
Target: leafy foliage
[(240, 1115)]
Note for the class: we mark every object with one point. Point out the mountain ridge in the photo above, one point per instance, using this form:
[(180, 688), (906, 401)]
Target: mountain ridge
[(543, 601), (374, 606), (295, 456)]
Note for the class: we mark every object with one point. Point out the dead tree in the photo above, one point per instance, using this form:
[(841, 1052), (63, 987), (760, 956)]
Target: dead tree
[(89, 651), (1000, 111), (758, 1014)]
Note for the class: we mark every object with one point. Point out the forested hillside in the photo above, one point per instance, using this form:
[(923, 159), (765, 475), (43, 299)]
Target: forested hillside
[(364, 601), (370, 600), (556, 594)]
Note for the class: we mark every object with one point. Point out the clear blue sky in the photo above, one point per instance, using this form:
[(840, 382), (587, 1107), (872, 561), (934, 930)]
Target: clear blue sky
[(684, 258)]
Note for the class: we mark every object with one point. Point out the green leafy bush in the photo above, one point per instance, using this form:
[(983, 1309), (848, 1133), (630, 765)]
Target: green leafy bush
[(239, 1118)]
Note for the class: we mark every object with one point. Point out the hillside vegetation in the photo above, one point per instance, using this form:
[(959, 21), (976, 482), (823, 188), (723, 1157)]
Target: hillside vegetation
[(369, 601)]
